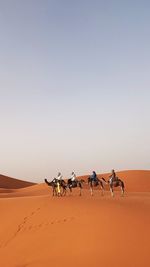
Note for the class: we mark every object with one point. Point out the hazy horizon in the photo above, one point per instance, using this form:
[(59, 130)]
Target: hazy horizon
[(74, 87)]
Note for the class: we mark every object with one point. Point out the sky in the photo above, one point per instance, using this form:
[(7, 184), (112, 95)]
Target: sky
[(74, 87)]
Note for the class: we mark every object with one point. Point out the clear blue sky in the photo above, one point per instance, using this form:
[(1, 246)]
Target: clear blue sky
[(74, 87)]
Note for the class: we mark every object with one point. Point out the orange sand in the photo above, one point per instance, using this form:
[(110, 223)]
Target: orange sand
[(38, 230), (7, 182)]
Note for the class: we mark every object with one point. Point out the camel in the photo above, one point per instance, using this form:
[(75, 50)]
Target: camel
[(115, 183), (54, 184), (74, 184), (93, 183)]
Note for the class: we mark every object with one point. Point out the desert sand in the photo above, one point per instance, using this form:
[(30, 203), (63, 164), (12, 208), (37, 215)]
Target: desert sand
[(38, 230), (12, 183)]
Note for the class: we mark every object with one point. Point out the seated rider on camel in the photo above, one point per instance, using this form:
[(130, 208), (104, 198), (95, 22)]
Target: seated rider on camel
[(113, 177), (72, 178), (58, 179), (94, 177)]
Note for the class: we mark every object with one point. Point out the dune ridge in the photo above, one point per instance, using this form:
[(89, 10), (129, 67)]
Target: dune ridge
[(13, 183)]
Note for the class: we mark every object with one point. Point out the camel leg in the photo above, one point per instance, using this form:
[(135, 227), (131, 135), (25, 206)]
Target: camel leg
[(65, 192), (70, 190), (122, 191), (53, 192), (91, 190), (112, 192), (102, 190), (62, 192), (80, 192), (56, 193)]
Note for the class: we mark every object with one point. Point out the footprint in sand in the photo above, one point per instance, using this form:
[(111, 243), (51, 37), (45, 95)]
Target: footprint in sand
[(22, 227)]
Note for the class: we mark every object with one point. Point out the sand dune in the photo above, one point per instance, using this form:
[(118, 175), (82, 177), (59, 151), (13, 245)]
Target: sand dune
[(40, 230), (35, 190), (12, 183)]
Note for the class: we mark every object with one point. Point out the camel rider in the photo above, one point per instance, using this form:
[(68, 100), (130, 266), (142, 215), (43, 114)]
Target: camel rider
[(113, 176), (59, 177), (72, 178), (54, 180), (94, 176)]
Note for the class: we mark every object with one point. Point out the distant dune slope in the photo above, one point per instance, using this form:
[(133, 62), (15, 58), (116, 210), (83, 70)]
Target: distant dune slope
[(12, 183)]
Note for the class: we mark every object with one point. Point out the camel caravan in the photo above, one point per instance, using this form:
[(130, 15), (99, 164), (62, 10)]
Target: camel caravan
[(61, 186)]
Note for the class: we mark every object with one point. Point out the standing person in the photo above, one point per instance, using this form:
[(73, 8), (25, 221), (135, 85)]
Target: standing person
[(58, 183), (58, 188)]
